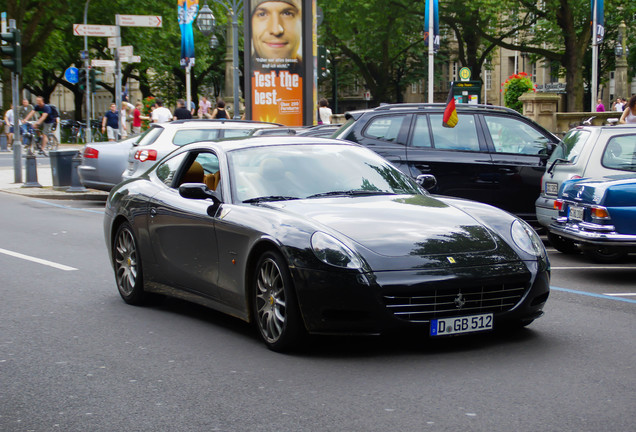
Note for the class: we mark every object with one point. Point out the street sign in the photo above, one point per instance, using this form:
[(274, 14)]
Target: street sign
[(464, 74), (139, 20), (112, 42), (94, 30), (131, 59), (103, 63), (125, 51), (71, 75)]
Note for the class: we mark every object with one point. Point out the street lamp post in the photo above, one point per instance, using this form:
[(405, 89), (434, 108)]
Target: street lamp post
[(205, 23)]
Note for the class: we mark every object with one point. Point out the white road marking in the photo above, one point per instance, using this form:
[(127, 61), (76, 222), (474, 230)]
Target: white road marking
[(37, 260), (621, 294)]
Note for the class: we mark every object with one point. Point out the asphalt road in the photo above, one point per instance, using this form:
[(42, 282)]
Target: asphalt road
[(75, 357)]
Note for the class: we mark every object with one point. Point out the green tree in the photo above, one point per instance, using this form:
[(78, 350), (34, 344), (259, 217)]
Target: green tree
[(382, 39)]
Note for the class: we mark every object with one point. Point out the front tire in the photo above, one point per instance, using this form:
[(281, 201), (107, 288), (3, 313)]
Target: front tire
[(274, 302), (127, 266)]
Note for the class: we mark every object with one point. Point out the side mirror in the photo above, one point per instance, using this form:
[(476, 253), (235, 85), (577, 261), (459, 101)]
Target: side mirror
[(427, 181), (198, 191)]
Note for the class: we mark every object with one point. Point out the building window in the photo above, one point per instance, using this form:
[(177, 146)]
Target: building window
[(413, 88), (534, 72), (488, 74)]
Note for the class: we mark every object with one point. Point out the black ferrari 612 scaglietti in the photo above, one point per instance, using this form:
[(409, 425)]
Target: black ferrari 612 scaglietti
[(310, 235)]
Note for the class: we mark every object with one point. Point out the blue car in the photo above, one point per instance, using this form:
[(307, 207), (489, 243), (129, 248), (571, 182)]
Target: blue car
[(598, 215)]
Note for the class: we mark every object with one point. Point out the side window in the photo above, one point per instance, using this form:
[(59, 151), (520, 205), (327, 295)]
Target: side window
[(234, 133), (421, 134), (203, 169), (187, 136), (510, 135), (150, 136), (167, 170), (461, 137), (620, 153), (385, 127)]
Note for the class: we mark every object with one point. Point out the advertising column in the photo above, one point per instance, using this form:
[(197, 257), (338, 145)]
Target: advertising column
[(279, 61)]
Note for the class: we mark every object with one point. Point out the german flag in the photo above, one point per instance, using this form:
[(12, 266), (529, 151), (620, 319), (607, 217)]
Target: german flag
[(450, 113)]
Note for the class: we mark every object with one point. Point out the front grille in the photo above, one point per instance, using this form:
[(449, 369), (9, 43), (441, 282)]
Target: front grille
[(446, 302)]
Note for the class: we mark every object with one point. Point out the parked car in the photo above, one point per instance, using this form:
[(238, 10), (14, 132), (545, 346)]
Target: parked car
[(316, 235), (163, 138), (599, 215), (325, 130), (586, 151), (103, 163), (494, 154)]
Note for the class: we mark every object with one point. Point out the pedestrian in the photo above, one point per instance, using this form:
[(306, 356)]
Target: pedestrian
[(324, 112), (8, 122), (219, 112), (599, 105), (161, 114), (182, 113), (193, 109), (204, 107), (137, 117), (619, 105), (629, 115), (110, 122), (126, 109)]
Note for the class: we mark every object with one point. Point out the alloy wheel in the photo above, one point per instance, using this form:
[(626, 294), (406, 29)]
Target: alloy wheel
[(271, 302), (125, 257)]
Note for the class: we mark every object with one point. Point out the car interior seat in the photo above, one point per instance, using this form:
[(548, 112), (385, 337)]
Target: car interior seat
[(212, 180), (194, 174)]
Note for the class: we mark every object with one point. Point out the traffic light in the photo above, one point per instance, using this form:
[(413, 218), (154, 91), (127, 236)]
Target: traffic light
[(13, 48), (81, 83), (323, 62), (93, 78)]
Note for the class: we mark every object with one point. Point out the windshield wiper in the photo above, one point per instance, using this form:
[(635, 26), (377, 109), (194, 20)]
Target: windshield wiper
[(269, 198), (353, 192), (555, 162)]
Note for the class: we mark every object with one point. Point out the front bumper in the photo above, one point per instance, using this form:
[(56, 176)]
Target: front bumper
[(338, 302), (589, 233)]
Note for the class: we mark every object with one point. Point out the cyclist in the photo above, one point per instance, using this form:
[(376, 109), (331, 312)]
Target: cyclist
[(46, 120)]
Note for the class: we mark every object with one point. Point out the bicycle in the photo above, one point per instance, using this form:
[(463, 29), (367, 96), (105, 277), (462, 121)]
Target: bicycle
[(78, 132), (32, 140)]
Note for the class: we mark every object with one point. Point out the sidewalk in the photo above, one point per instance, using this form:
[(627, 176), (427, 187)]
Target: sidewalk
[(44, 178)]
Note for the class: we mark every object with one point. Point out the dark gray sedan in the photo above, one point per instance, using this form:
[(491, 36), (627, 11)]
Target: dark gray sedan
[(315, 235)]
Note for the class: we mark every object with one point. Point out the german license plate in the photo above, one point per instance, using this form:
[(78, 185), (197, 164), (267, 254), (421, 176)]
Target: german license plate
[(466, 324), (551, 188), (576, 213)]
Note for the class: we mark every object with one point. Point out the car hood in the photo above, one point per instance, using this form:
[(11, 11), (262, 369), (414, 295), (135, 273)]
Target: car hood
[(398, 226)]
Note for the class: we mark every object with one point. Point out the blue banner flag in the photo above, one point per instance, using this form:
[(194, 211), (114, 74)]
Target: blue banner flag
[(435, 24), (599, 31), (187, 11)]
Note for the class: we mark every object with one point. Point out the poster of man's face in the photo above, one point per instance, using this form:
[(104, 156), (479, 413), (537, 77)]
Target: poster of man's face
[(277, 32)]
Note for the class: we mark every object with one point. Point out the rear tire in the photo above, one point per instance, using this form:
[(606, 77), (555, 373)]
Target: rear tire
[(274, 302), (52, 143), (127, 266), (604, 254), (562, 244)]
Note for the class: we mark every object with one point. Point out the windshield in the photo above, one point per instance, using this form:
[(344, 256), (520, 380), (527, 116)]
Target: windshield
[(570, 147), (312, 171)]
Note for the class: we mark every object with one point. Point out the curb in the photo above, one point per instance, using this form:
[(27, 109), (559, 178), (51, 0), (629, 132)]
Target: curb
[(47, 193)]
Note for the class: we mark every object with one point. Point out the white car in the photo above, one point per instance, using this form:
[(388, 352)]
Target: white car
[(586, 151), (163, 138)]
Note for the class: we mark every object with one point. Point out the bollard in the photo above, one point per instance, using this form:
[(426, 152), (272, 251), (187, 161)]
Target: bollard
[(76, 185), (3, 143), (31, 173)]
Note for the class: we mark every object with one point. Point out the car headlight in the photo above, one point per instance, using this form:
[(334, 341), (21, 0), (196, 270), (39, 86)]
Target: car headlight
[(526, 238), (332, 251)]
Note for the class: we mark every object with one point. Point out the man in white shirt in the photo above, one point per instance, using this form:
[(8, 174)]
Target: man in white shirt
[(160, 113), (8, 121)]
